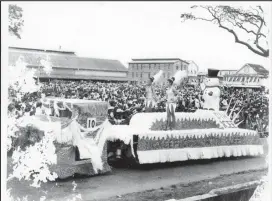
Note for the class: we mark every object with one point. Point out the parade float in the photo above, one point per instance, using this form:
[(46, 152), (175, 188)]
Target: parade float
[(82, 132), (204, 134), (75, 125)]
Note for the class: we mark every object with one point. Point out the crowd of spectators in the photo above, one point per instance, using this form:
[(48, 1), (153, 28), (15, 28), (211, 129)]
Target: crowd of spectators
[(249, 107)]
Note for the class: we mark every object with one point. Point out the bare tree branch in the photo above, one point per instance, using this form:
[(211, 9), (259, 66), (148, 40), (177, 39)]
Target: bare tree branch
[(239, 18)]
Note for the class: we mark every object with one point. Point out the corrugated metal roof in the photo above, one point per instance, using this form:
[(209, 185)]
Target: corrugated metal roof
[(241, 75), (259, 69), (42, 50), (34, 58), (66, 61), (83, 77), (101, 64)]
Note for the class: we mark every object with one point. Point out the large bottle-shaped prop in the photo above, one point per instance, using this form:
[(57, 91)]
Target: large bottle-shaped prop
[(157, 77), (211, 91), (179, 76)]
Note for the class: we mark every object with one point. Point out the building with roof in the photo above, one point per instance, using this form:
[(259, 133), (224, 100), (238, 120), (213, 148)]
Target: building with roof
[(253, 69), (192, 72), (201, 76), (67, 65), (140, 70), (224, 72), (250, 76)]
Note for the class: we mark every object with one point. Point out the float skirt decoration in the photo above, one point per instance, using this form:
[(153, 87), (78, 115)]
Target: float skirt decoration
[(69, 164), (197, 153), (200, 135)]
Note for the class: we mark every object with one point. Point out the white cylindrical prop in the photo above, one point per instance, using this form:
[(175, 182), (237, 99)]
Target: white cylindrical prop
[(157, 76), (179, 76)]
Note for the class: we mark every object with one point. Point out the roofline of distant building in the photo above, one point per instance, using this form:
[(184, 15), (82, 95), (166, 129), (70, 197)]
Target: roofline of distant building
[(244, 74), (64, 51), (158, 59), (248, 64), (42, 50), (228, 70), (150, 62), (74, 68)]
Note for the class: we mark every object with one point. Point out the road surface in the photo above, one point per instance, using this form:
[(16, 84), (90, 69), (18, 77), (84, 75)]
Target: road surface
[(123, 181)]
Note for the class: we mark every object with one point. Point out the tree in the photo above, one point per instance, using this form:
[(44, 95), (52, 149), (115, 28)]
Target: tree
[(16, 21), (247, 22)]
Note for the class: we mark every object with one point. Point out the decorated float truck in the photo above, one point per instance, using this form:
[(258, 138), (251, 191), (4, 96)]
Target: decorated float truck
[(83, 133)]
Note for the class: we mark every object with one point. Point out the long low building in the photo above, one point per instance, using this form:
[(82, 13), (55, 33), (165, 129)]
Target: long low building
[(67, 65), (249, 76)]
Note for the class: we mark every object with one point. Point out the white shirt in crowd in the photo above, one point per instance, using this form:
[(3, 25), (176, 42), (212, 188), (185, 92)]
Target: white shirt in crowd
[(197, 104)]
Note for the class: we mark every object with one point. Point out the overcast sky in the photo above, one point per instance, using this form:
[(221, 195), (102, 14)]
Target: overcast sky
[(126, 30)]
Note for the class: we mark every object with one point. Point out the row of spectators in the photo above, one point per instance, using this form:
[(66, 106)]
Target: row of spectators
[(250, 107)]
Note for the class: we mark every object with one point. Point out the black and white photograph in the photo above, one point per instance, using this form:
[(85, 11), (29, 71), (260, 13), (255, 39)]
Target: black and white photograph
[(136, 101)]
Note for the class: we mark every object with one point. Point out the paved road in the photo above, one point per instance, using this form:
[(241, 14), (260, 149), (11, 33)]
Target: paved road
[(123, 181)]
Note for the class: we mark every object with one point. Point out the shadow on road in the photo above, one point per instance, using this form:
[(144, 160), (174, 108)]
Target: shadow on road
[(124, 164)]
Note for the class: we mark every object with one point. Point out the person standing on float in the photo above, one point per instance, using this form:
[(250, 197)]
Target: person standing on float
[(151, 98), (171, 103), (150, 95)]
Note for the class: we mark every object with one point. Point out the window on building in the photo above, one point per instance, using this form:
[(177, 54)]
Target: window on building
[(132, 74), (149, 75), (164, 75), (162, 66), (136, 74), (141, 75), (177, 67)]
